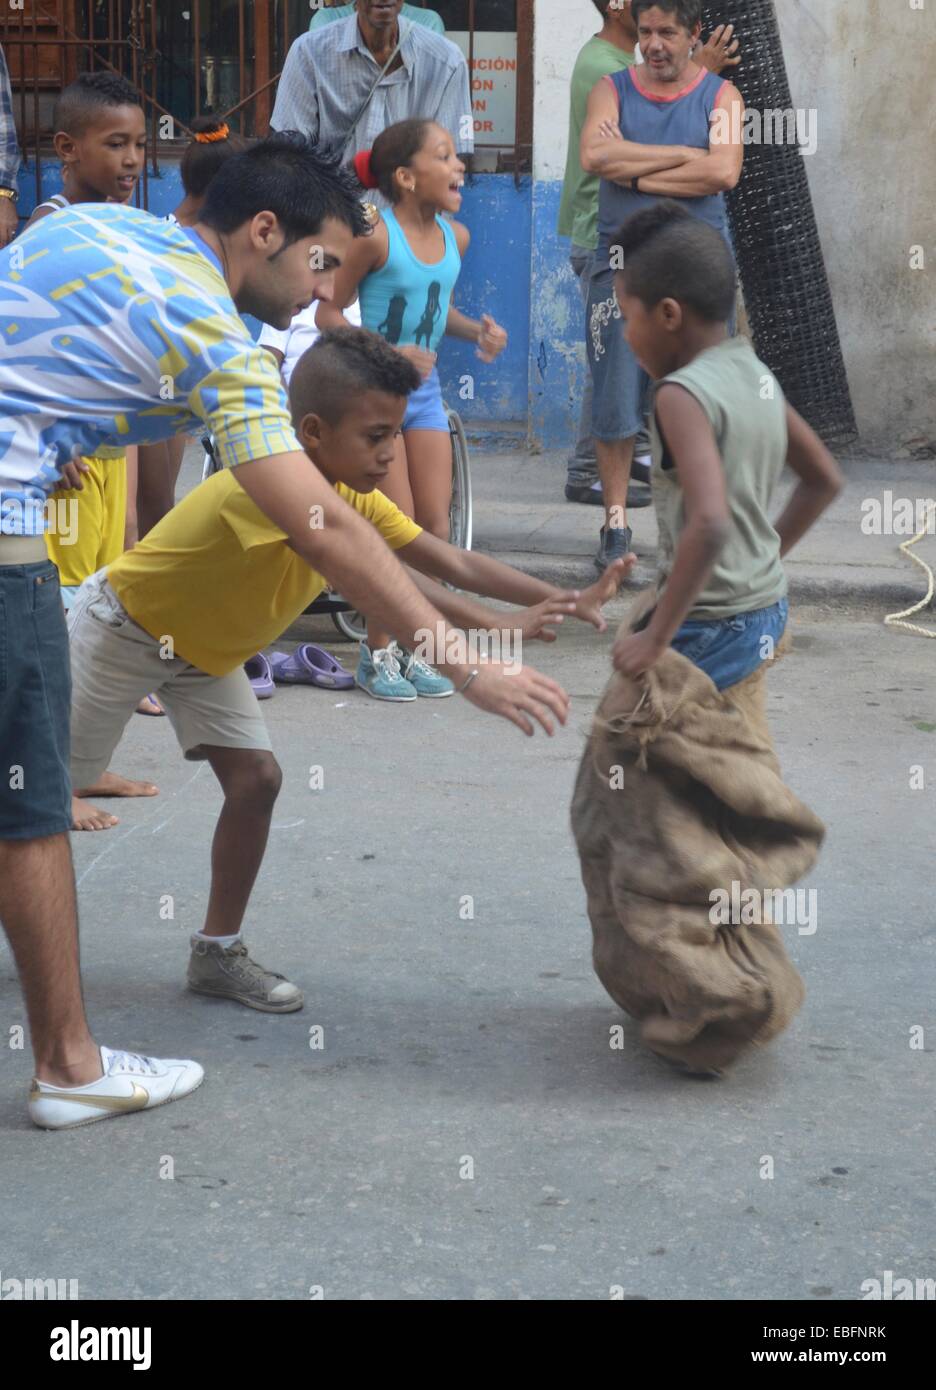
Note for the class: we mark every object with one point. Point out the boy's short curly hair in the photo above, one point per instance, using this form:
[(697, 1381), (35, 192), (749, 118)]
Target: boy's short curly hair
[(331, 375), (666, 253), (83, 100)]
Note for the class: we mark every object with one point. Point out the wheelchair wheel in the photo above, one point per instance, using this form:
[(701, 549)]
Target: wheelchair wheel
[(460, 512), (351, 624)]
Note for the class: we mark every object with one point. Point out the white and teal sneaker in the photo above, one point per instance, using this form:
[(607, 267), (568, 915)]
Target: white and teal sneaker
[(425, 679), (379, 674)]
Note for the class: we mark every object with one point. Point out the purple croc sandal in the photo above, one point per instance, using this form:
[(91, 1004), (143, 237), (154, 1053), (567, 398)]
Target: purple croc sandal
[(260, 676), (310, 665)]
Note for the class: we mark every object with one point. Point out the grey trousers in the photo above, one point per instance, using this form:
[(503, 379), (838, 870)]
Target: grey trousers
[(582, 464)]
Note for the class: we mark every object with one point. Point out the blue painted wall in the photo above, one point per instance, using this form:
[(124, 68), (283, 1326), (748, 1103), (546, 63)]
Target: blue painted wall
[(495, 279), (517, 269), (165, 192), (558, 364)]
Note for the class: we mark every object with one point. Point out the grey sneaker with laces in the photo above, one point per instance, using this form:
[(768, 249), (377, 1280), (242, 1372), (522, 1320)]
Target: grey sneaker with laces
[(227, 972)]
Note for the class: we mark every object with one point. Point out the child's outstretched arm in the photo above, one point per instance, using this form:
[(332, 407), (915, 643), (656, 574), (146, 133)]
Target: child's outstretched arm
[(820, 482), (537, 623), (693, 449), (482, 574)]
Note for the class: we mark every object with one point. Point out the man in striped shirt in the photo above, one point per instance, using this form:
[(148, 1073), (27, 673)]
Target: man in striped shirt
[(329, 74)]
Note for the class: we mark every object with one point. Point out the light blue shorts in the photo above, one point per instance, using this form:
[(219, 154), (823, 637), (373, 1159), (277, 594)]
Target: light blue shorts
[(424, 409)]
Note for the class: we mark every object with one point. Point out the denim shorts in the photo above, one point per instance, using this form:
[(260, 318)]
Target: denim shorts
[(729, 650), (424, 409), (35, 697), (622, 387)]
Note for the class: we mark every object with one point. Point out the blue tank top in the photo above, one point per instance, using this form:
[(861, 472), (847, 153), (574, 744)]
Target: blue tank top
[(407, 301), (648, 120)]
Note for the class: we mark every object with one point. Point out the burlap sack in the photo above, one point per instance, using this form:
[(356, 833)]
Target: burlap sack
[(679, 792)]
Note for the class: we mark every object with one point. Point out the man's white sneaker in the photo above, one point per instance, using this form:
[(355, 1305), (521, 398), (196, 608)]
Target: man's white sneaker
[(130, 1082)]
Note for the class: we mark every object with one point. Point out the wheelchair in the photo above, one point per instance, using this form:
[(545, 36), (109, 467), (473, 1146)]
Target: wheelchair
[(349, 622)]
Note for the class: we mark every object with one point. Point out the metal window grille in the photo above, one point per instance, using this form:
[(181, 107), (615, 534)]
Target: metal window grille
[(192, 57)]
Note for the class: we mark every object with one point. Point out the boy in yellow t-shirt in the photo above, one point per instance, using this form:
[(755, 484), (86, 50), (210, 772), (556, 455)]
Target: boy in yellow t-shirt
[(216, 580)]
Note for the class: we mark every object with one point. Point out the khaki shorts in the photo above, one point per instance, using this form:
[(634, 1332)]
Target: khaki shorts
[(114, 663)]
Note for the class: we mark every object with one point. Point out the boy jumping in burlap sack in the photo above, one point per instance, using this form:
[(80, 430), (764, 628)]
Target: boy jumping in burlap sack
[(680, 807)]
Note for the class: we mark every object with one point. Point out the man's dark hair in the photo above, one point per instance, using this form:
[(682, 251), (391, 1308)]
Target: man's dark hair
[(666, 253), (82, 101), (285, 175), (688, 12), (331, 375), (602, 7)]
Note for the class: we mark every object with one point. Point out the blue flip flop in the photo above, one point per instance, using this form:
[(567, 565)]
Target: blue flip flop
[(260, 676), (310, 665)]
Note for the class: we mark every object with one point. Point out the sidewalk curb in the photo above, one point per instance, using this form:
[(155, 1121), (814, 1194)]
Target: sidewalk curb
[(808, 583)]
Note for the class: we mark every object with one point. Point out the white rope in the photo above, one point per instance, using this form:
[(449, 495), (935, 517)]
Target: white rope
[(895, 619)]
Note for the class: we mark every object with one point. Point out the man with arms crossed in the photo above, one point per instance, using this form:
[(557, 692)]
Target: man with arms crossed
[(648, 134)]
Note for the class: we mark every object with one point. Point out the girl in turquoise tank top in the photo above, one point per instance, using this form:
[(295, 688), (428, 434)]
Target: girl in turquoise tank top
[(404, 275)]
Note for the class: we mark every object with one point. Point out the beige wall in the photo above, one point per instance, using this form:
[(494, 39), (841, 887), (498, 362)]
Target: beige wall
[(866, 67)]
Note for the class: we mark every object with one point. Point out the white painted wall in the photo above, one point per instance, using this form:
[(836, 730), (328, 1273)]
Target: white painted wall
[(866, 67), (561, 28)]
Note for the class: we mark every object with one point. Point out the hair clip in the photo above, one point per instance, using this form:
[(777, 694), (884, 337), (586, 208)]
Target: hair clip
[(208, 137)]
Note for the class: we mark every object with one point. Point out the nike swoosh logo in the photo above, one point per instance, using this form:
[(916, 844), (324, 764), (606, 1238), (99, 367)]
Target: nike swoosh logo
[(135, 1101)]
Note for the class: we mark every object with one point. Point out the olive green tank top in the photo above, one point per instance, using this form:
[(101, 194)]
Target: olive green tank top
[(747, 411)]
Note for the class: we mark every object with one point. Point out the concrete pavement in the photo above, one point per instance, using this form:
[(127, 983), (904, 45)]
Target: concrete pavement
[(522, 516), (460, 1127), (465, 1130)]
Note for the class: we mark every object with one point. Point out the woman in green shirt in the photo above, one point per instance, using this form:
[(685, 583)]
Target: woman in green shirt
[(605, 53)]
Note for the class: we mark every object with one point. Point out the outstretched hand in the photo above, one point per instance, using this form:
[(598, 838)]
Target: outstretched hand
[(522, 697), (537, 623), (591, 600)]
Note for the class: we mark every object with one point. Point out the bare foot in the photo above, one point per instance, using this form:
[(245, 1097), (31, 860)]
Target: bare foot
[(150, 705), (112, 784), (88, 817)]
